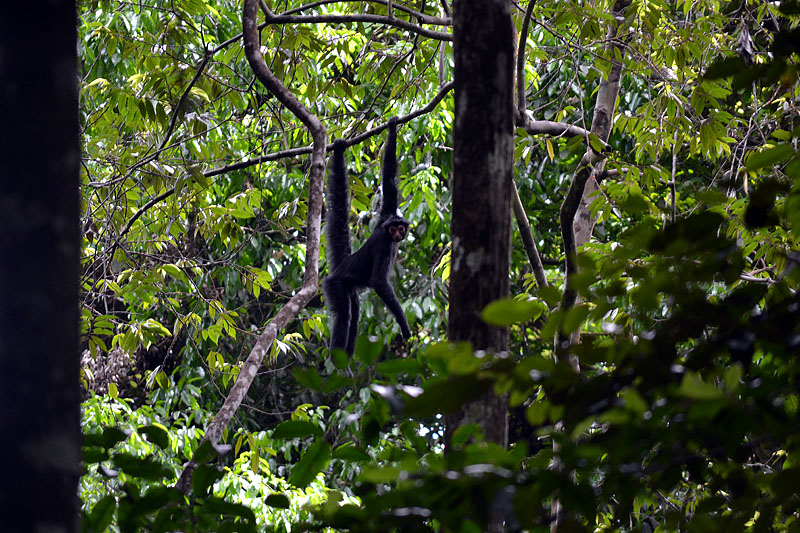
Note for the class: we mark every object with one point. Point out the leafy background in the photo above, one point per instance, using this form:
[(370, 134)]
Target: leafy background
[(685, 413)]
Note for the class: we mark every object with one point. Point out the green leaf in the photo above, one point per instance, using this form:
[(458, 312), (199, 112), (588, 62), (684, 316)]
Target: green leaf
[(598, 146), (574, 318), (292, 429), (141, 467), (725, 67), (156, 434), (308, 378), (368, 348), (93, 455), (310, 464), (399, 366), (113, 435), (692, 386), (174, 271), (204, 477), (349, 452), (447, 396), (537, 412), (205, 452), (505, 312), (633, 401), (218, 506), (340, 358), (277, 501), (156, 498), (102, 514), (770, 156)]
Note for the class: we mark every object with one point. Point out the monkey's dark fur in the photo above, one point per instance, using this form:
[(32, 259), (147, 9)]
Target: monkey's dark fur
[(370, 265)]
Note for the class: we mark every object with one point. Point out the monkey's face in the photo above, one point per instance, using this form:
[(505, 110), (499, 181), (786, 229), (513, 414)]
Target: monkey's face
[(397, 232)]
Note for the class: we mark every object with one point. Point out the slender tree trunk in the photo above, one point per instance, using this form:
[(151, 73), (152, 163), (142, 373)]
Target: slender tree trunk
[(577, 224), (483, 46), (39, 268)]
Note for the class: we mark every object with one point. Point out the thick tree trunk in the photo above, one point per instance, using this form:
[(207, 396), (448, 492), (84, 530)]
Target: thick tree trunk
[(39, 268), (483, 37)]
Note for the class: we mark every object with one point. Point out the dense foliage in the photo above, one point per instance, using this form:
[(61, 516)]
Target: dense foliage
[(686, 412)]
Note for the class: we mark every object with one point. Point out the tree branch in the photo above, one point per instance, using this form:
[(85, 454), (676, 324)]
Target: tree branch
[(602, 122), (310, 279), (374, 19), (527, 238), (174, 119), (422, 17), (523, 39), (292, 152)]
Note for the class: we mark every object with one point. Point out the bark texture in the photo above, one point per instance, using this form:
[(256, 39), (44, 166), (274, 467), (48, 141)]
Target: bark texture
[(482, 171), (39, 268)]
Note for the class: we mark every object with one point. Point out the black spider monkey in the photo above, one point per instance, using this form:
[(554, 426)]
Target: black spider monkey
[(370, 265)]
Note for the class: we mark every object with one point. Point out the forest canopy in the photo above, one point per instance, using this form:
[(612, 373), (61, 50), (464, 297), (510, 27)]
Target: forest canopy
[(646, 344)]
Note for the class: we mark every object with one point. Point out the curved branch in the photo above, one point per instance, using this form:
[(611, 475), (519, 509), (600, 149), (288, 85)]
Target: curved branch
[(602, 122), (422, 17), (310, 278), (292, 152), (401, 120), (376, 19), (523, 39)]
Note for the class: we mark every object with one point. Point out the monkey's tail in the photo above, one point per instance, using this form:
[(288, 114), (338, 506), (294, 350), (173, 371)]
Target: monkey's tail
[(337, 228)]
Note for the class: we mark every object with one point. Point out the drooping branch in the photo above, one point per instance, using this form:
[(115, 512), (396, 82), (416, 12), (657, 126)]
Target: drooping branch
[(422, 17), (310, 280), (154, 155)]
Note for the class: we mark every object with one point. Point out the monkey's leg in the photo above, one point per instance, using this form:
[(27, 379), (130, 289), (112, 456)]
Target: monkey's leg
[(339, 304), (355, 313)]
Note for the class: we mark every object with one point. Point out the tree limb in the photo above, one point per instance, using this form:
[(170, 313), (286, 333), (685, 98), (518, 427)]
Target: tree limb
[(310, 279), (589, 164), (292, 152), (527, 238), (374, 19), (175, 112), (523, 39), (422, 17)]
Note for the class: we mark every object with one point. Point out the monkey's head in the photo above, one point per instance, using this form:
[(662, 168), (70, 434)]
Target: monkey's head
[(396, 228)]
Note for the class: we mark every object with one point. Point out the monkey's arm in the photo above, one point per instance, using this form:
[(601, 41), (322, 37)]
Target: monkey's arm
[(389, 203), (386, 293)]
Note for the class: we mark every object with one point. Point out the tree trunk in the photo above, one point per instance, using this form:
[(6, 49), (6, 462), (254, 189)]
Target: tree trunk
[(482, 172), (39, 268)]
